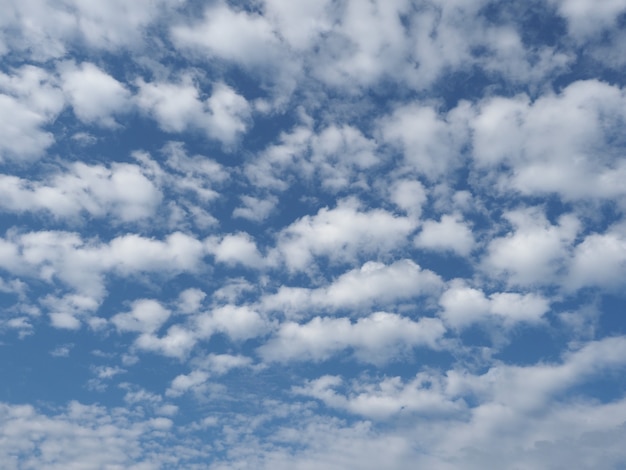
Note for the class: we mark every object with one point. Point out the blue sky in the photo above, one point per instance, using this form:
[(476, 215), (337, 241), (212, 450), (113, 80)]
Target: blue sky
[(327, 234)]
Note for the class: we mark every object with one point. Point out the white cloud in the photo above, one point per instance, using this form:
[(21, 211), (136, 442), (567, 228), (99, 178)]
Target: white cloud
[(586, 17), (146, 316), (431, 144), (451, 233), (45, 29), (122, 190), (94, 95), (599, 260), (81, 265), (409, 195), (377, 338), (132, 253), (30, 99), (178, 107), (238, 36), (342, 234), (185, 382), (229, 114), (83, 436), (384, 399), (556, 144), (338, 156), (177, 342), (299, 24), (535, 251), (190, 300), (219, 364), (464, 305), (372, 284), (212, 365), (255, 209), (238, 248), (240, 323)]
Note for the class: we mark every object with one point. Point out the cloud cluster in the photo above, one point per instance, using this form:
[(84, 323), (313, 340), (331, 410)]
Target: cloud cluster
[(314, 234)]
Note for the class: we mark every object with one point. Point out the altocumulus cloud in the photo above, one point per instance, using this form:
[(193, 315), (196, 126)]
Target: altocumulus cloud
[(316, 234)]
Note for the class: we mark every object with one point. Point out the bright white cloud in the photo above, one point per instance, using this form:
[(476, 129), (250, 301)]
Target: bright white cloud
[(463, 305), (342, 234), (178, 107), (317, 234), (146, 316), (450, 234), (376, 339), (386, 398), (599, 260), (431, 144), (94, 95), (535, 251), (123, 191), (556, 144), (238, 248), (372, 284)]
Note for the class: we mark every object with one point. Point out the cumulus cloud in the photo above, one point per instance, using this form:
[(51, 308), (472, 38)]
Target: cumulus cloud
[(100, 438), (94, 95), (122, 190), (535, 251), (376, 339), (599, 260), (384, 399), (238, 248), (343, 233), (282, 234), (430, 143), (337, 155), (372, 284), (82, 265), (463, 305), (450, 234), (556, 144), (179, 107), (586, 18), (30, 100), (44, 29)]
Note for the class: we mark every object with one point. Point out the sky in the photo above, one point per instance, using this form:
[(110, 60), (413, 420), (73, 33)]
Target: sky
[(313, 234)]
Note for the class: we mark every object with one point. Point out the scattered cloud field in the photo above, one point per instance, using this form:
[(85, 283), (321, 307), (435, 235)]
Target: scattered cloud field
[(314, 234)]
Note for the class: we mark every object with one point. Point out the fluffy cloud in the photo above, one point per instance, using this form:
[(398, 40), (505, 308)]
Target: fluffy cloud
[(94, 95), (338, 156), (239, 36), (556, 144), (30, 99), (178, 107), (122, 190), (237, 248), (535, 251), (384, 399), (44, 29), (463, 305), (586, 18), (146, 316), (82, 265), (372, 284), (282, 272), (343, 233), (599, 260), (449, 234), (377, 338), (99, 438), (431, 144)]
